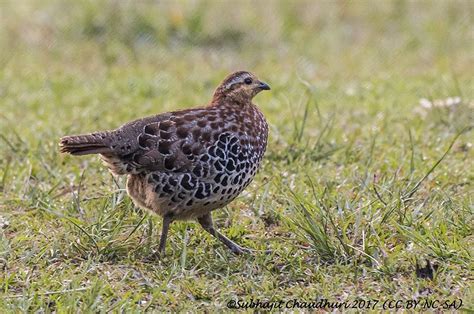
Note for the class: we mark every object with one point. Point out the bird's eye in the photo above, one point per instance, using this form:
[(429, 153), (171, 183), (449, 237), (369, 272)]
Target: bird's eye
[(248, 81)]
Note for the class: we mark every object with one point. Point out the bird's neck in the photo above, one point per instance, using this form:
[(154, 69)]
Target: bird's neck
[(222, 100)]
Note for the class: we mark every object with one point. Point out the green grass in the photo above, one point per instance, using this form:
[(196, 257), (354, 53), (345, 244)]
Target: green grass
[(361, 181)]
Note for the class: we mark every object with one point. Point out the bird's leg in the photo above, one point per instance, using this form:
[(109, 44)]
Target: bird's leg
[(206, 223), (164, 233)]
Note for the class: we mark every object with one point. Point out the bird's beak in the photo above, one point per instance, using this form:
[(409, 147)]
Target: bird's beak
[(263, 86)]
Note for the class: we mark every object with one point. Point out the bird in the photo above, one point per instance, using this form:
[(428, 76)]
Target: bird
[(184, 164)]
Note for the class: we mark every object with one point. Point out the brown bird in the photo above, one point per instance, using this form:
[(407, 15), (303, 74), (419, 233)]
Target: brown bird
[(184, 164)]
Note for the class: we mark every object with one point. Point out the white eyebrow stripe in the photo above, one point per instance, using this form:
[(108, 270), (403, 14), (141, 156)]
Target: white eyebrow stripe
[(238, 79)]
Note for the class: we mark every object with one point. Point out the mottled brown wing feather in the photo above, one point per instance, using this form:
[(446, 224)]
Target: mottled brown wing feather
[(169, 142)]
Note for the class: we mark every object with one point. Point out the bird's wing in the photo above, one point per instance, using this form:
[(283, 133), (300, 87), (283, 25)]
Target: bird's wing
[(167, 142)]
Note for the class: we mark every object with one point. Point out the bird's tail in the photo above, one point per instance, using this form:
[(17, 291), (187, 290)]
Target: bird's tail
[(94, 143)]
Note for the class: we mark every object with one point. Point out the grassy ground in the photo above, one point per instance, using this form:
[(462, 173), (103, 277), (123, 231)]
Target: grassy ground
[(368, 171)]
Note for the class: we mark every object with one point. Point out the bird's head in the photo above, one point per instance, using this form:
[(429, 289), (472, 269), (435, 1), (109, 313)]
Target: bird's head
[(241, 86)]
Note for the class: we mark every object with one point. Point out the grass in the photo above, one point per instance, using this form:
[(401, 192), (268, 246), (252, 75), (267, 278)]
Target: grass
[(367, 176)]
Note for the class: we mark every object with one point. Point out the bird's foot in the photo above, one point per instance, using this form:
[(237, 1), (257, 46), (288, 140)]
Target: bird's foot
[(155, 256), (238, 250)]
